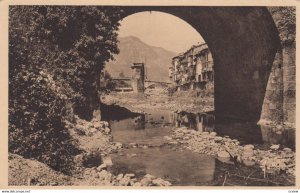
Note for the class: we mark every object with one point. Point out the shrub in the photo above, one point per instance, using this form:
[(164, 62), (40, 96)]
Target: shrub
[(56, 54)]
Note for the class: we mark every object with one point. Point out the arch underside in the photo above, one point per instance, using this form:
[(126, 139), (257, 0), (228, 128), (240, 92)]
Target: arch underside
[(243, 42)]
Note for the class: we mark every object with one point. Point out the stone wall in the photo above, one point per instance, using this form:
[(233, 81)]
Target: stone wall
[(289, 84), (280, 100), (272, 109)]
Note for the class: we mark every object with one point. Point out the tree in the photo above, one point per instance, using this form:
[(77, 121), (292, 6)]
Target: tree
[(56, 54), (106, 82)]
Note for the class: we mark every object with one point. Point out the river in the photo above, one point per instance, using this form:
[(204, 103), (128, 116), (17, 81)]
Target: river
[(147, 152)]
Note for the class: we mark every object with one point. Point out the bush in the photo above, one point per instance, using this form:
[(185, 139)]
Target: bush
[(56, 54)]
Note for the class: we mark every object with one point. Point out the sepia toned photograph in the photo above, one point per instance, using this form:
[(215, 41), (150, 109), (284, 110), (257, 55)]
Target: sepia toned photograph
[(147, 96)]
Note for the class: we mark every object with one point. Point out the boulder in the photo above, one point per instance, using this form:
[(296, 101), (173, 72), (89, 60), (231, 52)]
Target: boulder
[(223, 154), (125, 181), (173, 143), (106, 124), (248, 153), (107, 130), (119, 177), (97, 125), (105, 175), (137, 184), (107, 161), (106, 183), (93, 130), (249, 146), (53, 184), (218, 139), (287, 149), (249, 162), (101, 167), (89, 124), (160, 182), (275, 147), (279, 127), (118, 145), (82, 127), (147, 180), (225, 160), (130, 175)]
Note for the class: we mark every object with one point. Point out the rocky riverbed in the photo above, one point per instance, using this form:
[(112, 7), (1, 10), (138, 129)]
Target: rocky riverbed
[(274, 160)]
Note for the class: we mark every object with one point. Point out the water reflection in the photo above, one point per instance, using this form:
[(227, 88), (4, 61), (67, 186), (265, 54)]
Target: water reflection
[(149, 128), (199, 122)]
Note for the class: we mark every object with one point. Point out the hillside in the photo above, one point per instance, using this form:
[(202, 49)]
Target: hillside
[(133, 50)]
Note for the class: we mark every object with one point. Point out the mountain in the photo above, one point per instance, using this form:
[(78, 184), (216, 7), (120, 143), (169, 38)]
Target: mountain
[(134, 50)]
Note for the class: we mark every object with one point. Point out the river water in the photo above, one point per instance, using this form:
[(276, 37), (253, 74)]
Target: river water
[(180, 167)]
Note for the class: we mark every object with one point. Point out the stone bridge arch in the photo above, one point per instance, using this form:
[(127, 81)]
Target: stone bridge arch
[(243, 42)]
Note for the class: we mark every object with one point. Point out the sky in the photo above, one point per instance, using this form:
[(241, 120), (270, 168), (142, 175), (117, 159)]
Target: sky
[(161, 30)]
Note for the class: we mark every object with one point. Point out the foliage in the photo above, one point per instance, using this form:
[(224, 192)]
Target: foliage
[(56, 54), (106, 82)]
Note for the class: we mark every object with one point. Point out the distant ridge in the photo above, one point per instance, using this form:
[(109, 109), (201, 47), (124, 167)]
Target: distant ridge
[(132, 49)]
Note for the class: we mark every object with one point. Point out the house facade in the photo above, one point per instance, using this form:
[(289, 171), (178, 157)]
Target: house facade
[(193, 69)]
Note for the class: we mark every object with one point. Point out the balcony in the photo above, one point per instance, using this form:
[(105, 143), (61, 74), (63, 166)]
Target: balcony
[(207, 66)]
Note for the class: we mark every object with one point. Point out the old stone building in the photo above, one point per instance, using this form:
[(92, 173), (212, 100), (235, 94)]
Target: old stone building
[(138, 77), (193, 69)]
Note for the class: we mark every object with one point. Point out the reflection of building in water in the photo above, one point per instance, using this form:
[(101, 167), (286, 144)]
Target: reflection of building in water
[(199, 122), (133, 123), (139, 122), (159, 117), (205, 122), (183, 119)]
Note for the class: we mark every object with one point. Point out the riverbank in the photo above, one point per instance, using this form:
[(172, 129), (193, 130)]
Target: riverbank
[(188, 101)]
